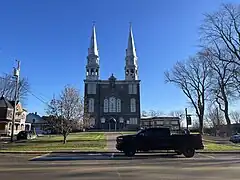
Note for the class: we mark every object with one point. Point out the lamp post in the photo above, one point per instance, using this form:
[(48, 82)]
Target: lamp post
[(16, 73)]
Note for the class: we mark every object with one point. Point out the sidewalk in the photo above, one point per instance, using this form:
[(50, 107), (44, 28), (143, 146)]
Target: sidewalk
[(111, 140)]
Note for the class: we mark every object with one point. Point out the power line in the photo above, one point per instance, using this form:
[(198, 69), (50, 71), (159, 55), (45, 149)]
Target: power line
[(40, 99)]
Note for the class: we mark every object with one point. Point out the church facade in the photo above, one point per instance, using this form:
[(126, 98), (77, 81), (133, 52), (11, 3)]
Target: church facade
[(112, 104)]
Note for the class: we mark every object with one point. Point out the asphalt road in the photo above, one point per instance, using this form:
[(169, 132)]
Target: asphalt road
[(110, 166)]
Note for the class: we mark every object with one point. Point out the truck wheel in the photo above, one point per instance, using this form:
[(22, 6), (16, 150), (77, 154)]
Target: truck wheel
[(130, 152), (178, 152), (189, 152)]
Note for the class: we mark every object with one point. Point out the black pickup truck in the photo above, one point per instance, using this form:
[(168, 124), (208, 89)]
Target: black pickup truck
[(153, 139)]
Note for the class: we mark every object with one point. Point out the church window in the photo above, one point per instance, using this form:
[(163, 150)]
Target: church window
[(134, 89), (133, 105), (118, 105), (133, 121), (91, 105), (132, 71), (130, 89), (87, 72), (112, 104), (105, 105), (127, 72), (91, 88), (96, 72), (92, 71)]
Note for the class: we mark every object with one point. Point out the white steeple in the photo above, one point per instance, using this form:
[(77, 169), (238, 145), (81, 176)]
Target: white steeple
[(131, 67), (93, 50), (131, 51), (92, 68)]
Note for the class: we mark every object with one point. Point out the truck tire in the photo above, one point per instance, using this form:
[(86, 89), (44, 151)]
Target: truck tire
[(189, 152), (178, 152), (129, 152)]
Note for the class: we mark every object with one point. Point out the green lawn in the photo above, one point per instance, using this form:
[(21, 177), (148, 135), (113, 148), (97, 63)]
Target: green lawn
[(76, 141), (209, 146), (128, 132)]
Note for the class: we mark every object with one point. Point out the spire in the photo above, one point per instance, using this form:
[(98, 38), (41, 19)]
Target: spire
[(93, 50), (131, 51)]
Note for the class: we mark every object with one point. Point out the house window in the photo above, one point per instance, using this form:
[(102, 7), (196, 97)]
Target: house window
[(112, 104), (118, 105), (105, 105), (133, 121), (91, 105), (91, 88), (133, 105)]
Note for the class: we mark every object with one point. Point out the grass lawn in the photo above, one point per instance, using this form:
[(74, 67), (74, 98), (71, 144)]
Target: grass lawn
[(95, 141), (210, 146), (128, 132)]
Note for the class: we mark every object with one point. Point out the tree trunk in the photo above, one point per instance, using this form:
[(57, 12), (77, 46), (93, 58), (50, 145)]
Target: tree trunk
[(64, 138), (201, 125), (226, 114)]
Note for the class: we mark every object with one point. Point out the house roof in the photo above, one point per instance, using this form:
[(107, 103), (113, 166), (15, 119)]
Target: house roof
[(4, 103), (160, 118)]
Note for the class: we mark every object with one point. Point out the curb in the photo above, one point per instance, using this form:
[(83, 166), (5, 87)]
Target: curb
[(218, 152), (102, 152)]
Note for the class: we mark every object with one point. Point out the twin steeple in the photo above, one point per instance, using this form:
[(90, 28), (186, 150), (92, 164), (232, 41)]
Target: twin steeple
[(131, 68)]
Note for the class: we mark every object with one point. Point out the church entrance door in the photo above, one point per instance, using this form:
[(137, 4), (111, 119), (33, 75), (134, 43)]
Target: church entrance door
[(112, 124)]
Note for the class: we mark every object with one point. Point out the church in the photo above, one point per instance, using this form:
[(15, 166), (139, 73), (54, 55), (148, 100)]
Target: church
[(112, 104)]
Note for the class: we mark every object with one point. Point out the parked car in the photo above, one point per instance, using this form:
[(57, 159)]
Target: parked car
[(24, 135), (153, 139), (235, 138)]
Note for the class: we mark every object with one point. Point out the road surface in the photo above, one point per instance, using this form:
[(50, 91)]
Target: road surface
[(109, 166)]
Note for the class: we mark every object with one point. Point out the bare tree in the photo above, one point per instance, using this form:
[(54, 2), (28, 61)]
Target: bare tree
[(215, 117), (221, 29), (154, 113), (193, 78), (235, 116), (144, 113), (223, 85), (66, 111), (7, 87)]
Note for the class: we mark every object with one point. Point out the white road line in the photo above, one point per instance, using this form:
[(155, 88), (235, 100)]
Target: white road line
[(208, 156), (37, 157)]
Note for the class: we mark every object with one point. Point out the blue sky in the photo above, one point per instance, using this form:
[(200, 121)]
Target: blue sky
[(51, 38)]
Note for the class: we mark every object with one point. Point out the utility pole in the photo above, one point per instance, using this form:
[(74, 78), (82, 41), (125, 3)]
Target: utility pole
[(186, 116), (16, 74)]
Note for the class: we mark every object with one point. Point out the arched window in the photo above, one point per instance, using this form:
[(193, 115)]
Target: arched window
[(105, 105), (91, 105), (118, 105), (133, 105), (112, 104)]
